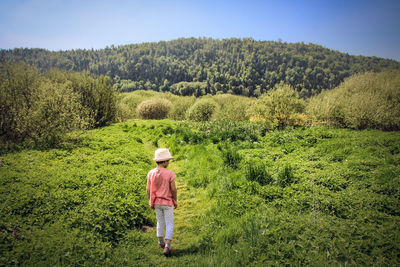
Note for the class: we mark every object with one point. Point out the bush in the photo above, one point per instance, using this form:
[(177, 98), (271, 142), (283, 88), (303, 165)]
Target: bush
[(180, 107), (153, 109), (202, 110), (42, 107), (232, 108), (56, 111), (281, 106), (95, 94), (19, 84), (369, 100)]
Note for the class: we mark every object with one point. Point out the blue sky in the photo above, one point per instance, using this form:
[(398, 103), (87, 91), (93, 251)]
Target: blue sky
[(369, 27)]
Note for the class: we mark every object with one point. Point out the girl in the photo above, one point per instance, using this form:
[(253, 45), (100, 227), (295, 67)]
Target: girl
[(162, 194)]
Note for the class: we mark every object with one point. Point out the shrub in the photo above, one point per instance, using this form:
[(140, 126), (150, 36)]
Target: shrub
[(154, 109), (180, 107), (124, 112), (128, 102), (56, 110), (232, 108), (281, 106), (369, 100), (42, 107), (95, 94), (202, 110), (18, 88)]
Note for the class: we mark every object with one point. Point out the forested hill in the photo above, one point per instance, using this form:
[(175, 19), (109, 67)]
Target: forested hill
[(200, 66)]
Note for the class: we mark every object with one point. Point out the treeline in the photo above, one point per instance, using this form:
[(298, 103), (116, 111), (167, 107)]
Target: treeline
[(43, 106), (209, 66), (368, 100)]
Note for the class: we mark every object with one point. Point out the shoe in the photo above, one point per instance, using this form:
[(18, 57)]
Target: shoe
[(161, 245), (167, 252)]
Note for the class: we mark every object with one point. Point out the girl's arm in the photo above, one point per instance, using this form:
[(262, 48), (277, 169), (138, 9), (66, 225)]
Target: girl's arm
[(174, 193), (148, 186)]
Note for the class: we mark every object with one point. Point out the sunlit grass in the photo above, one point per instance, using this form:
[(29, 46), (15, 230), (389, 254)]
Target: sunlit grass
[(302, 196)]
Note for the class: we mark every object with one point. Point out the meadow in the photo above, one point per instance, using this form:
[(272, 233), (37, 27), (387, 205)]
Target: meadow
[(248, 194)]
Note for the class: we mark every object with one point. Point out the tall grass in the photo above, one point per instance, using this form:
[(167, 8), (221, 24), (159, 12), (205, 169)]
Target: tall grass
[(301, 196)]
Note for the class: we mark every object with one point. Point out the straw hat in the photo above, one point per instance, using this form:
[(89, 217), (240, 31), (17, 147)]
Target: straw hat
[(162, 154)]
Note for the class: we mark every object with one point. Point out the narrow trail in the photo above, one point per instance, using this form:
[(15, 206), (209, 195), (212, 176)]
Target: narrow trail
[(191, 203), (184, 243)]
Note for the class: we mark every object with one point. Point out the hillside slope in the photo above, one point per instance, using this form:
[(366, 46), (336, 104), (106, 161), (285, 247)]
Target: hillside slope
[(200, 66)]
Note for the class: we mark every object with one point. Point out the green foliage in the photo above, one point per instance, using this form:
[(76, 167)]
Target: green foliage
[(228, 107), (202, 110), (95, 94), (230, 156), (232, 108), (280, 106), (317, 182), (42, 107), (256, 171), (128, 102), (220, 131), (190, 89), (19, 86), (153, 109), (190, 66), (180, 107), (286, 176), (247, 197), (369, 100), (72, 205)]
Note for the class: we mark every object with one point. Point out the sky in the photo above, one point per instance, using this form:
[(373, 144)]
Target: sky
[(356, 27)]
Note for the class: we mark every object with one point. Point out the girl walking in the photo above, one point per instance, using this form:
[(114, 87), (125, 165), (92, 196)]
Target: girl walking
[(162, 194)]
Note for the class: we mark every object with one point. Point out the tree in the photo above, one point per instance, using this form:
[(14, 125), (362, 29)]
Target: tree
[(238, 65)]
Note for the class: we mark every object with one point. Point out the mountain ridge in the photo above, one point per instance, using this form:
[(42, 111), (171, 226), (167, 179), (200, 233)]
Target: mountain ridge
[(199, 66)]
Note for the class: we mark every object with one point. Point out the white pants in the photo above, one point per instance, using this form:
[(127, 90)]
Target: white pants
[(165, 218)]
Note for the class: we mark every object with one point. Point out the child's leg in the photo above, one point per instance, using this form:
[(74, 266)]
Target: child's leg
[(160, 221), (169, 221)]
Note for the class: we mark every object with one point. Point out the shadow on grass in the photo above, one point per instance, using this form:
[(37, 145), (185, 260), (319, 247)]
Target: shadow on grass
[(180, 252)]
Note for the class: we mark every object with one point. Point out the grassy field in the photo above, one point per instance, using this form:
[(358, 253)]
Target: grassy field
[(248, 195)]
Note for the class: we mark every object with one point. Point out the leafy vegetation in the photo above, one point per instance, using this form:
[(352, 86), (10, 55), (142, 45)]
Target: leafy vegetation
[(72, 204), (248, 194), (42, 107), (316, 196), (281, 106), (209, 66), (256, 186), (369, 100), (202, 110), (154, 109)]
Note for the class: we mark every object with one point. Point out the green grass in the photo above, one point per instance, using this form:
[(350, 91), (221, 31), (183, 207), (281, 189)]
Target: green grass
[(248, 195)]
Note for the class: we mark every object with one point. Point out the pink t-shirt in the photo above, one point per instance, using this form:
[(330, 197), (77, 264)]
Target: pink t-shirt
[(159, 181)]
